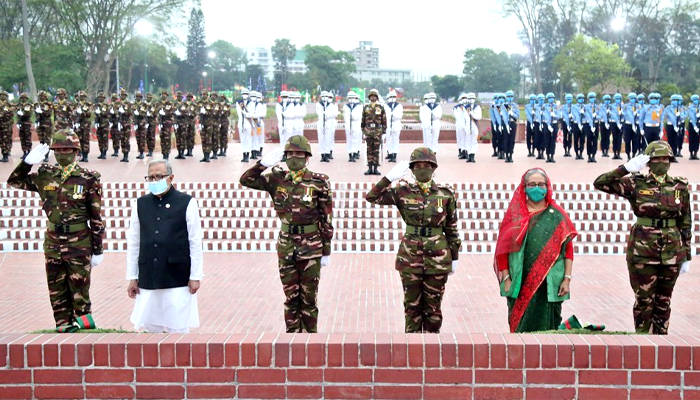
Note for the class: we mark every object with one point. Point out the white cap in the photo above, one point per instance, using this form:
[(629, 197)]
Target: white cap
[(352, 94), (325, 93), (391, 94), (463, 96), (284, 93), (471, 95), (432, 95), (245, 91)]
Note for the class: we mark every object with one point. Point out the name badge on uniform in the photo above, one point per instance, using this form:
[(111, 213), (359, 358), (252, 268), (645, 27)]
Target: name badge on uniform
[(281, 189), (377, 111), (50, 187), (307, 195), (439, 209), (646, 192), (78, 192)]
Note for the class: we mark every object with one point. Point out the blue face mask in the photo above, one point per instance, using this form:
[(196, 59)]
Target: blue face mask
[(617, 101), (532, 101), (510, 99), (551, 101), (568, 101), (653, 101), (607, 102), (674, 103), (633, 101), (641, 101), (592, 101), (536, 194), (158, 187), (580, 101), (696, 101)]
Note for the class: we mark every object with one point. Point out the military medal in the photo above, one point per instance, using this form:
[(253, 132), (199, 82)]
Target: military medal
[(167, 205), (678, 200), (78, 192), (307, 196), (439, 209)]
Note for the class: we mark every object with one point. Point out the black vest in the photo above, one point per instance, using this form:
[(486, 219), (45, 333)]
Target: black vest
[(164, 252)]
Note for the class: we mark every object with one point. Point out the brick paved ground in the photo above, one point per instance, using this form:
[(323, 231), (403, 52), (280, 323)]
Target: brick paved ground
[(358, 293)]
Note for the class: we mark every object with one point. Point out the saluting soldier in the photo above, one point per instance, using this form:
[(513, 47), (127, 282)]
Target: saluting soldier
[(304, 204), (6, 117), (658, 249), (83, 115), (139, 111), (373, 127), (430, 247), (24, 123), (72, 200)]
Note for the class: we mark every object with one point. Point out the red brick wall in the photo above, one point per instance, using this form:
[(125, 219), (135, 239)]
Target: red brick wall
[(357, 366)]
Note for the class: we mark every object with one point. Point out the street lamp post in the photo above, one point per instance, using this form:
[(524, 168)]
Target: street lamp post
[(144, 28), (212, 56)]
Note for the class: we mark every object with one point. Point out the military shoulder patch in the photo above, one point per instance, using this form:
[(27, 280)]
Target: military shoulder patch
[(322, 177), (447, 187), (646, 192), (89, 173)]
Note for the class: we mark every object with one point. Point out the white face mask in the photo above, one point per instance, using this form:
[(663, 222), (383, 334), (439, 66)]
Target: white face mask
[(296, 100), (471, 101), (285, 100), (391, 99), (245, 96)]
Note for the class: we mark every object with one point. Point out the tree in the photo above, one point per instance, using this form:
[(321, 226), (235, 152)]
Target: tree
[(530, 14), (327, 68), (139, 51), (488, 71), (196, 46), (253, 72), (102, 26), (282, 51), (590, 62), (226, 66), (28, 51), (447, 86)]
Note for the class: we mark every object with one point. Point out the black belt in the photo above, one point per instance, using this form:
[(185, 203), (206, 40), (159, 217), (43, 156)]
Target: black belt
[(426, 231), (67, 228), (299, 229), (656, 223)]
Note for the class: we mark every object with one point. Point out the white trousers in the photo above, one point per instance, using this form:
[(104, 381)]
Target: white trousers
[(259, 140), (246, 137), (430, 137), (471, 142), (461, 138), (353, 138), (392, 140)]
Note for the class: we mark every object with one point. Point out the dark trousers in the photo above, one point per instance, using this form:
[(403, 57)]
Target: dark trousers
[(591, 139), (495, 136), (616, 138), (693, 138), (653, 286), (549, 139), (631, 139), (537, 131), (651, 133), (605, 137), (509, 138), (529, 138), (568, 136), (579, 139)]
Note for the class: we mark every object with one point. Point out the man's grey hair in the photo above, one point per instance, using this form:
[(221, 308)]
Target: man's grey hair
[(536, 171), (168, 166)]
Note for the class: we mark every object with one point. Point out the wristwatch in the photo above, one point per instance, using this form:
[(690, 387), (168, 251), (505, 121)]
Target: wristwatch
[(567, 276)]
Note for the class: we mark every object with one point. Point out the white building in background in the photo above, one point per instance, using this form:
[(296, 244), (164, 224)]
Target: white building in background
[(367, 66), (298, 64), (261, 56)]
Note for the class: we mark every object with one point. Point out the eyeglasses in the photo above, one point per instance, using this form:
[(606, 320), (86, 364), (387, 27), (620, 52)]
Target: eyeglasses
[(156, 177), (532, 185)]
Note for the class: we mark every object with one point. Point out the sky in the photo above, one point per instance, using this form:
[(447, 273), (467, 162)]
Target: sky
[(429, 38)]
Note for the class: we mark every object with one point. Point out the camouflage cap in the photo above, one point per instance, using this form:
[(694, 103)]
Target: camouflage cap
[(65, 139), (179, 93), (101, 95), (659, 148), (114, 95), (423, 154), (61, 91), (374, 92), (82, 93), (138, 94), (298, 143), (24, 95), (214, 94), (123, 92), (149, 95), (189, 94), (162, 92), (41, 93), (4, 93)]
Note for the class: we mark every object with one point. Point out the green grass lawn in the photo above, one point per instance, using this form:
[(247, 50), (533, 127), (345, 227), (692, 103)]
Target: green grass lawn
[(98, 330), (583, 332)]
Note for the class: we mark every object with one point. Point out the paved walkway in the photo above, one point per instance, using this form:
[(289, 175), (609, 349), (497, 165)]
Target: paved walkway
[(358, 293)]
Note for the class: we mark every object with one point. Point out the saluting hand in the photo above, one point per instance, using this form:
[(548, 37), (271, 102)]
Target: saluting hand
[(637, 163), (398, 171), (272, 157), (37, 154)]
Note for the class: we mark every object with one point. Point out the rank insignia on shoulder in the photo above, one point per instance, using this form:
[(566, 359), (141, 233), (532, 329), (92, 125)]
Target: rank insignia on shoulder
[(50, 187), (282, 189), (646, 192)]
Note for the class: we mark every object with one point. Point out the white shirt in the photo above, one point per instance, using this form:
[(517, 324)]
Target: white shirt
[(194, 234)]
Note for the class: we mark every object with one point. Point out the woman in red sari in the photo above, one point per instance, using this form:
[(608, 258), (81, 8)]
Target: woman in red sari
[(534, 255)]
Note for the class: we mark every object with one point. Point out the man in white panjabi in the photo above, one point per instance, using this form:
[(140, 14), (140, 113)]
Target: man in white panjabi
[(164, 255)]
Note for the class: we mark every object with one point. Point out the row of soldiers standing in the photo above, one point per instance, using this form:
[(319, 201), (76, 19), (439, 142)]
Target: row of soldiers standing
[(119, 119), (582, 124)]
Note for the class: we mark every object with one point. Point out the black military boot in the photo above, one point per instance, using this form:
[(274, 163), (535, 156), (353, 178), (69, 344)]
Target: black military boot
[(472, 158), (351, 157), (206, 157), (140, 156), (166, 156), (462, 155), (103, 155), (495, 153), (323, 158), (260, 152), (221, 153), (370, 170), (509, 158), (330, 155), (180, 155), (501, 155), (189, 152), (5, 157), (84, 159), (376, 170), (125, 158), (393, 158), (116, 153), (150, 153), (253, 154), (246, 157), (213, 156)]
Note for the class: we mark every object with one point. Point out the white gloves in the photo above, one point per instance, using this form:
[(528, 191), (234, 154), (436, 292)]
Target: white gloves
[(121, 110), (98, 111), (637, 163), (38, 110), (202, 110), (455, 263), (97, 125), (110, 125), (580, 127), (160, 126), (607, 126), (176, 126), (685, 267), (136, 113), (398, 171), (273, 158), (161, 112), (79, 110), (147, 125), (642, 132), (96, 260), (37, 154), (119, 126), (20, 113), (325, 261)]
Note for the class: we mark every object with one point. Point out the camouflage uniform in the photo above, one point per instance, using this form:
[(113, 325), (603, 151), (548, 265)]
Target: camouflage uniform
[(62, 111), (151, 121), (114, 121), (305, 210), (44, 121), (215, 119), (373, 127), (126, 111), (165, 113), (140, 120), (180, 117), (102, 116), (74, 231), (7, 111), (659, 241), (25, 123), (425, 256), (82, 121), (205, 122), (189, 124), (224, 125)]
